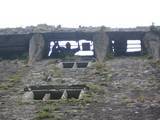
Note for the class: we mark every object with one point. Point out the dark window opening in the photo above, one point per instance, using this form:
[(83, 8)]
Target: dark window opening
[(118, 47), (126, 47)]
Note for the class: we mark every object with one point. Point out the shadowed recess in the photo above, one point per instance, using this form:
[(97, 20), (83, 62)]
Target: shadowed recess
[(68, 64), (82, 64)]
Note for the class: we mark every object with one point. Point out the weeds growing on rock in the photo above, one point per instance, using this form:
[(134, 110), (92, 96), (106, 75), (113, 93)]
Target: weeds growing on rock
[(44, 114), (99, 66), (4, 86), (141, 98), (156, 63), (48, 110), (12, 80), (56, 72), (95, 88)]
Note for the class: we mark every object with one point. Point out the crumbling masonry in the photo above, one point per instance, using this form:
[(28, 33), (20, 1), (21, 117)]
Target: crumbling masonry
[(36, 44)]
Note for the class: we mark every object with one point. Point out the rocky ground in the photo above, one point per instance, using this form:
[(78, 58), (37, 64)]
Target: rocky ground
[(126, 88)]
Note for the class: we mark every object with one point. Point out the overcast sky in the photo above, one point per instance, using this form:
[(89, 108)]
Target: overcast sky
[(72, 13)]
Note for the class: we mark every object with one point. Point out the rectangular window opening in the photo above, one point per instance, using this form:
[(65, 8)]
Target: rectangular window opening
[(70, 47)]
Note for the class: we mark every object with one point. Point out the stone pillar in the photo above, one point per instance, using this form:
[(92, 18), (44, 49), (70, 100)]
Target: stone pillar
[(101, 45), (36, 48), (152, 45)]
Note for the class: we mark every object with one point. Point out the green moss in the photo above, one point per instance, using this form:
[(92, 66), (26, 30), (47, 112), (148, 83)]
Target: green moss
[(15, 77), (141, 98), (101, 69), (7, 85), (87, 98), (12, 80), (95, 88), (48, 110), (52, 62), (106, 76), (52, 107), (44, 114), (55, 71), (4, 86), (72, 100), (151, 79), (99, 66), (155, 63), (51, 110)]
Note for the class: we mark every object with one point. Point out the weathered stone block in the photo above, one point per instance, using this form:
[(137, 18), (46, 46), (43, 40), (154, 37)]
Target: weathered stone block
[(36, 48), (101, 45), (152, 45), (46, 97), (28, 96)]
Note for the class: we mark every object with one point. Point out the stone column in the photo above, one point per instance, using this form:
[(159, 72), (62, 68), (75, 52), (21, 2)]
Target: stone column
[(152, 45), (101, 45), (36, 48)]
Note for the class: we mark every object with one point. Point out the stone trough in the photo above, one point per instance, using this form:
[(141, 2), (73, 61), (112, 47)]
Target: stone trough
[(68, 64), (81, 64), (54, 92), (75, 64)]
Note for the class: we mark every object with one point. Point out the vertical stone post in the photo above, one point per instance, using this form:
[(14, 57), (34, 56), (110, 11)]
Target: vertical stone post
[(101, 45), (152, 45), (36, 48), (143, 49)]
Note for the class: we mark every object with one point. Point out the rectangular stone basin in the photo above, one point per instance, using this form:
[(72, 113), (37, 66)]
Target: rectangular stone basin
[(54, 87), (55, 92), (81, 64), (68, 64)]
